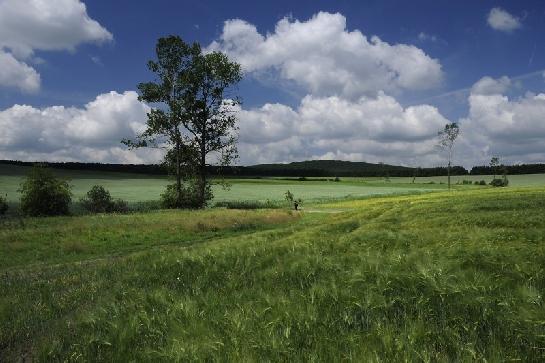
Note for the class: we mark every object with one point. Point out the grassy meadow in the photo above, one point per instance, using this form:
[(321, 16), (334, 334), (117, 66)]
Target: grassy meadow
[(444, 276)]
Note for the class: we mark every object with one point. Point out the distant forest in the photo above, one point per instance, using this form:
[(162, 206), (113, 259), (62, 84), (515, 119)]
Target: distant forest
[(312, 168)]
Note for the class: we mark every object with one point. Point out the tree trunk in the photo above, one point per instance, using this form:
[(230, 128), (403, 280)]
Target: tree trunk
[(202, 181), (178, 177), (448, 173)]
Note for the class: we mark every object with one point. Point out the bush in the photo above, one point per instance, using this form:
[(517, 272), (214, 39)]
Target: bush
[(482, 182), (337, 179), (3, 205), (42, 194), (247, 204), (302, 178), (189, 197), (97, 200), (499, 182), (120, 206)]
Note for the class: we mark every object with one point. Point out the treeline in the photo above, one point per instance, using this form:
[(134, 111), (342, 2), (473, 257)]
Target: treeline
[(153, 169), (313, 168), (511, 169)]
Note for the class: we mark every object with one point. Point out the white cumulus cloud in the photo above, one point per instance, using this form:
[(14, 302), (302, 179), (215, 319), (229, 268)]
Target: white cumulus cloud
[(91, 133), (513, 129), (321, 55), (501, 20), (370, 128), (30, 25)]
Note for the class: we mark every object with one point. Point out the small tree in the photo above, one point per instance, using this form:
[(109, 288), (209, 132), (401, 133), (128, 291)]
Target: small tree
[(494, 164), (447, 138), (42, 194)]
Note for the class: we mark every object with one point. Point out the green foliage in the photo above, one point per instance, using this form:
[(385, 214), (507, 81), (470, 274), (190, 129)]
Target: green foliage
[(503, 182), (120, 206), (247, 204), (289, 197), (188, 197), (196, 120), (99, 200), (337, 179), (42, 194), (3, 205)]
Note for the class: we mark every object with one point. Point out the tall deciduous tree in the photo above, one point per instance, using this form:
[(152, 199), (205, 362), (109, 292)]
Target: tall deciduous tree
[(191, 118), (211, 117), (447, 138)]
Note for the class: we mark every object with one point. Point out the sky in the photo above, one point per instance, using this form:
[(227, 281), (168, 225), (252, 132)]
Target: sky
[(352, 80)]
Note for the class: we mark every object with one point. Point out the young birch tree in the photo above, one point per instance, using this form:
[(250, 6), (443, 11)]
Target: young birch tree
[(447, 138)]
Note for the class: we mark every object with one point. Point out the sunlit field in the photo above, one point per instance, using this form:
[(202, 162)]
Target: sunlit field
[(444, 276)]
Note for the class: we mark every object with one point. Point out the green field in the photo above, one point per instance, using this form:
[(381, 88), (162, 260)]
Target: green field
[(137, 188), (445, 276)]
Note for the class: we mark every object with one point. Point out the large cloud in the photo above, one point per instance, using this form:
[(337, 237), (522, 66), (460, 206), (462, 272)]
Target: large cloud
[(91, 133), (513, 129), (321, 55), (29, 25), (371, 128)]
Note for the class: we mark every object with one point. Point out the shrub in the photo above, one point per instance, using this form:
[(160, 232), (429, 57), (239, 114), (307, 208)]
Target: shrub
[(97, 200), (302, 178), (499, 182), (189, 197), (288, 196), (42, 194), (3, 205), (337, 179), (247, 204), (482, 182), (120, 206)]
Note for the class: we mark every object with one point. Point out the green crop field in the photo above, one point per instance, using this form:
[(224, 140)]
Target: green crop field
[(138, 188), (444, 276)]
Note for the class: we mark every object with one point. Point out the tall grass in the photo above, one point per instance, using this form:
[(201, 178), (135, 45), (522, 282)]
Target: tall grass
[(438, 277)]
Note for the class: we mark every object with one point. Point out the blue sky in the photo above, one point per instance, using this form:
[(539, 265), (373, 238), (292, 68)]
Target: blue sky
[(458, 40)]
